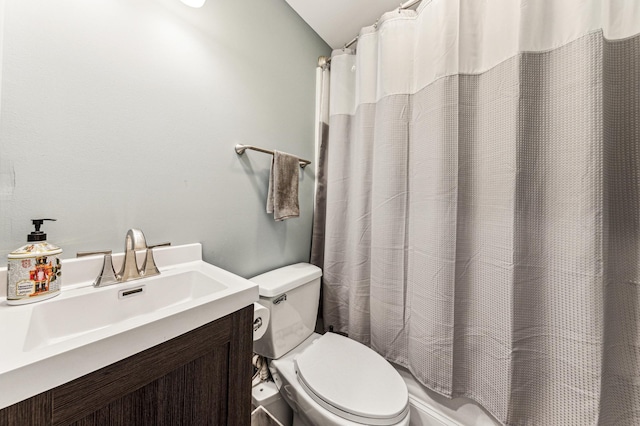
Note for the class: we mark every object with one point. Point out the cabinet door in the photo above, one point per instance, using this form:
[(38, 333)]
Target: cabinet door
[(33, 411), (193, 394)]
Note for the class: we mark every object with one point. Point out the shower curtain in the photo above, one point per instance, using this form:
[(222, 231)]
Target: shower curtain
[(483, 203)]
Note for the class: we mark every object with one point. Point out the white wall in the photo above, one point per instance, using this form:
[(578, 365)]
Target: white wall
[(1, 34), (124, 113)]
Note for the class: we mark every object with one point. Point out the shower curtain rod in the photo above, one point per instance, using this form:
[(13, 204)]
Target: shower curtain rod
[(323, 60)]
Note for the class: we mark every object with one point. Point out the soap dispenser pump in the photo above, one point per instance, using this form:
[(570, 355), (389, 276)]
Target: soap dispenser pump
[(34, 270)]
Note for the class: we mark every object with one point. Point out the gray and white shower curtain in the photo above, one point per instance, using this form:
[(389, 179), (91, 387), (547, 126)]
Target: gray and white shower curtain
[(483, 203)]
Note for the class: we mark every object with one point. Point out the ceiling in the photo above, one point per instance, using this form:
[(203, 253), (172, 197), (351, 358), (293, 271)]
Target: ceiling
[(339, 21)]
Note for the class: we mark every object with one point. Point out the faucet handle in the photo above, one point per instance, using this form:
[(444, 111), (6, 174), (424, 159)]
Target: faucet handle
[(166, 243), (108, 274), (149, 267)]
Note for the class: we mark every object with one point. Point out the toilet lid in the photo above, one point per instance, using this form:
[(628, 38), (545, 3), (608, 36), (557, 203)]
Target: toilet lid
[(352, 381)]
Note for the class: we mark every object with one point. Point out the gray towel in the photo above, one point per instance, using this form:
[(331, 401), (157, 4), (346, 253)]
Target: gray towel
[(282, 199)]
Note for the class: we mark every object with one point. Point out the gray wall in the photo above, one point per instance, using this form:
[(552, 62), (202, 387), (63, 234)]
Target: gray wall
[(123, 113)]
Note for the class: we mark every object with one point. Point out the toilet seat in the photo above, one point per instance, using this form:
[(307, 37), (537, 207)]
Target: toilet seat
[(352, 381)]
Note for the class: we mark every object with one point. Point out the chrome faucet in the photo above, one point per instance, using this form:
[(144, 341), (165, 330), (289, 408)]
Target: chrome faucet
[(134, 241)]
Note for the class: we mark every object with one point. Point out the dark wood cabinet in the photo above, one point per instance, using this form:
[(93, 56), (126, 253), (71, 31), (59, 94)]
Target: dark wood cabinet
[(202, 377)]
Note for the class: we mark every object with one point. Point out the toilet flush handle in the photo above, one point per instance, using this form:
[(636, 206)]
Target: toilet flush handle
[(257, 324), (280, 299)]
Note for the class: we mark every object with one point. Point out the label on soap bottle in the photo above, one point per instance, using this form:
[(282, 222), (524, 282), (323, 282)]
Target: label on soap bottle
[(32, 279)]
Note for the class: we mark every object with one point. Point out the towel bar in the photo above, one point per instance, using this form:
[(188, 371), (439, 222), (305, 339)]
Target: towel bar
[(240, 149)]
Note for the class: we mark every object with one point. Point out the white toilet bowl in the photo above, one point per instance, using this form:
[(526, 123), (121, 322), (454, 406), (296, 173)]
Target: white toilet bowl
[(326, 379), (354, 401)]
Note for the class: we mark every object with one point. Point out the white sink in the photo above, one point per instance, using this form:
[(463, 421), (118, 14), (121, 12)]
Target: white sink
[(114, 304), (49, 343)]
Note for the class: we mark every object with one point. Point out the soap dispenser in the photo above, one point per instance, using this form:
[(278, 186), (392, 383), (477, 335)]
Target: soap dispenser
[(34, 270)]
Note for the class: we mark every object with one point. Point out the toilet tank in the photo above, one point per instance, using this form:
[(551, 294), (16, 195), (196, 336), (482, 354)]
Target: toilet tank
[(291, 294)]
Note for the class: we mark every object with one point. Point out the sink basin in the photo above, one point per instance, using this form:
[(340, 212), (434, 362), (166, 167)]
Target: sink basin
[(113, 305), (52, 342)]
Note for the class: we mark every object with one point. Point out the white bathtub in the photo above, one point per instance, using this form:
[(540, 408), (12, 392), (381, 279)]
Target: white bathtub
[(429, 408)]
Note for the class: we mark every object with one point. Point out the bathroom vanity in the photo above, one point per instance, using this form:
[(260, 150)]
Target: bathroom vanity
[(201, 377), (177, 352)]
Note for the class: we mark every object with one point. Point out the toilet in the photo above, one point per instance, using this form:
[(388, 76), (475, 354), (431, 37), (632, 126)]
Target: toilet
[(326, 379)]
